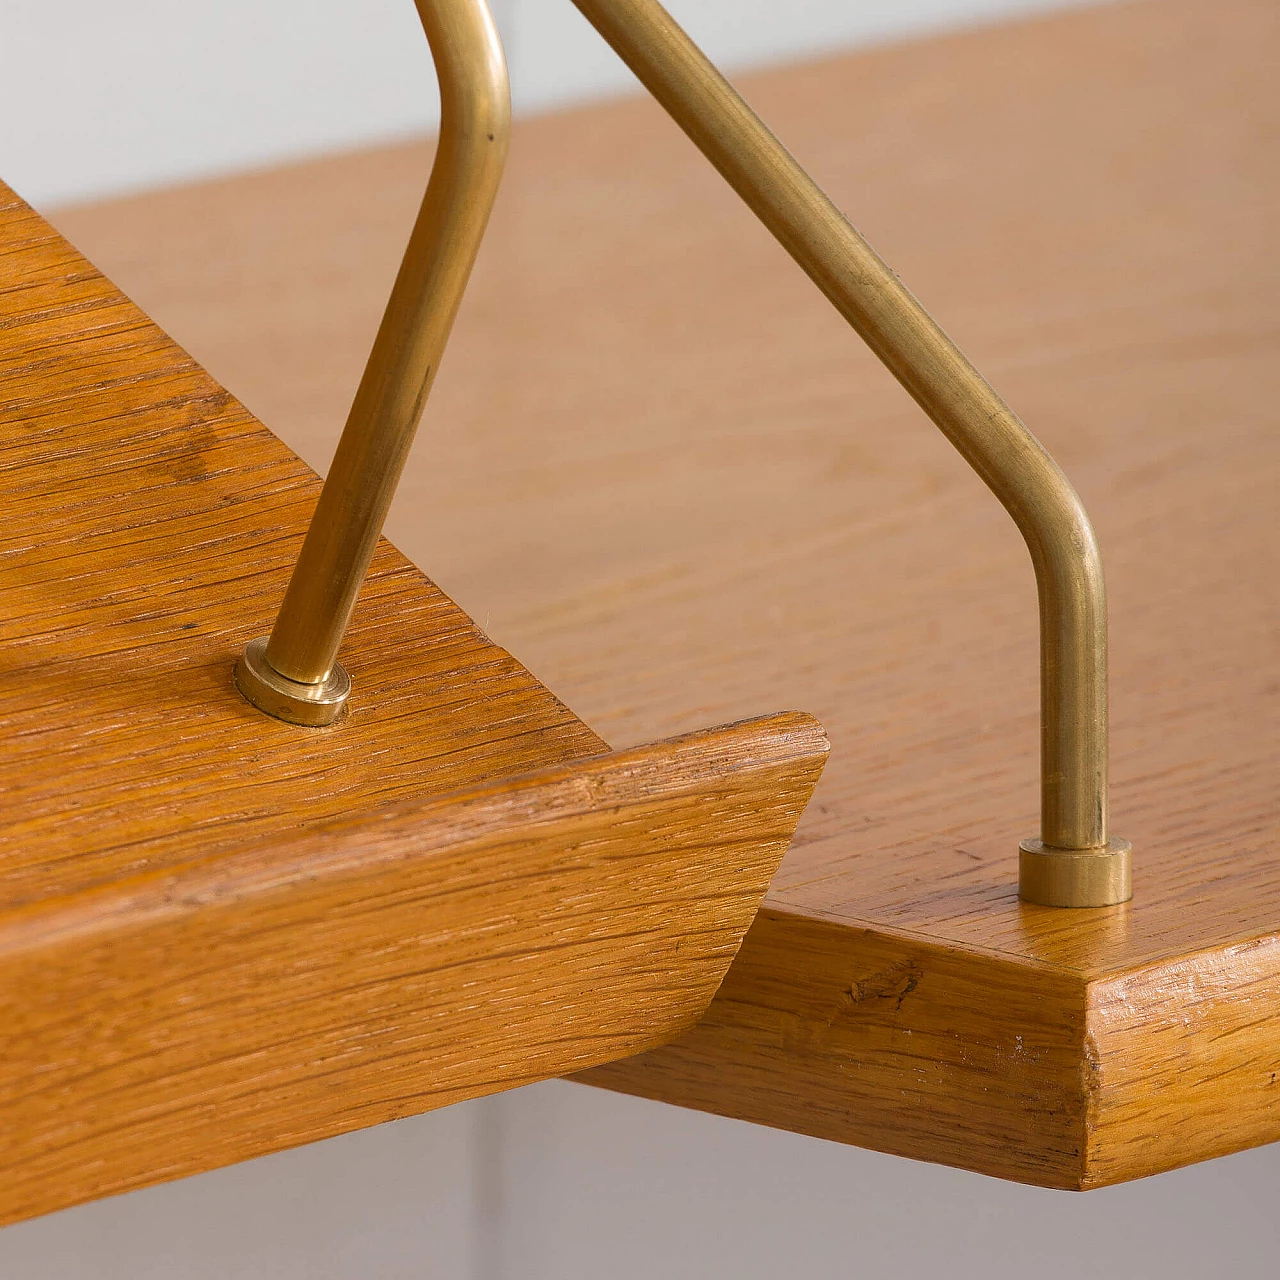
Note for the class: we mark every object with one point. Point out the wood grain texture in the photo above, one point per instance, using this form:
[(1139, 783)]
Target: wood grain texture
[(221, 935), (384, 963), (150, 527), (669, 477)]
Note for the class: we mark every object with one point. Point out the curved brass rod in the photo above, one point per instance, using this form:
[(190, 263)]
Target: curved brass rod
[(295, 675), (1013, 463)]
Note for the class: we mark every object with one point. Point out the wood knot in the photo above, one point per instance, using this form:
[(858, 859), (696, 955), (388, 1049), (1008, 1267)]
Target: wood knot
[(895, 983)]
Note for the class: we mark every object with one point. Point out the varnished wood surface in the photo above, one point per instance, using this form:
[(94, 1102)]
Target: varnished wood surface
[(382, 964), (660, 469), (150, 524), (221, 935)]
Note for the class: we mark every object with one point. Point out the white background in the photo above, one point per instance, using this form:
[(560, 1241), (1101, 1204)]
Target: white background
[(562, 1182), (557, 1180), (103, 96)]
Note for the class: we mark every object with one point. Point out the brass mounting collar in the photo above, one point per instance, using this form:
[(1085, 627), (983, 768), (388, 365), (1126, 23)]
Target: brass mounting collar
[(313, 705), (1075, 877)]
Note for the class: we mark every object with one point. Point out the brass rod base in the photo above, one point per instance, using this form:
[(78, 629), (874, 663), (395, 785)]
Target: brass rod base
[(1075, 877), (313, 705)]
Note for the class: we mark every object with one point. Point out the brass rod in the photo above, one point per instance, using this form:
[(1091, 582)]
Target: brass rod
[(475, 113), (1012, 462)]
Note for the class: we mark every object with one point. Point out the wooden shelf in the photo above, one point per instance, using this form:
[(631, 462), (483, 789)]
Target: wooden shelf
[(221, 935), (660, 469)]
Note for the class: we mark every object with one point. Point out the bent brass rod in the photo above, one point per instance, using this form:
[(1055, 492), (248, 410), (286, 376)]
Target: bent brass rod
[(1013, 463), (475, 115)]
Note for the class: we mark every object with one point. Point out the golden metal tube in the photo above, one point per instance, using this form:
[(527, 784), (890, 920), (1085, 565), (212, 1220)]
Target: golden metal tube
[(1013, 463), (289, 678)]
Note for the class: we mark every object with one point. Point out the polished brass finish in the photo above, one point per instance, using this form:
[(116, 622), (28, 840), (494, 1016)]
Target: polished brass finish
[(475, 113), (1013, 463), (1074, 863), (313, 705), (1083, 878)]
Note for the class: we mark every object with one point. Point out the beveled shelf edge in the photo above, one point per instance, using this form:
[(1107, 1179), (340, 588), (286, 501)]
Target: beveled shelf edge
[(263, 986), (388, 963), (1109, 47), (1022, 1071)]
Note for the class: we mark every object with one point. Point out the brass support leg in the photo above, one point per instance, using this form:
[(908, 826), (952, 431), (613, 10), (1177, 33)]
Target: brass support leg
[(295, 675), (1074, 863)]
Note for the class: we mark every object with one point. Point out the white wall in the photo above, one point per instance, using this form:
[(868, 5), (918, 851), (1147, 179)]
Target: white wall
[(385, 1204), (562, 1182), (557, 1180), (100, 98)]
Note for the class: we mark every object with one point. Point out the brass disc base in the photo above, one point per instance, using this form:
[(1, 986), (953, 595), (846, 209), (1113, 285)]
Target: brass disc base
[(1075, 877), (313, 705)]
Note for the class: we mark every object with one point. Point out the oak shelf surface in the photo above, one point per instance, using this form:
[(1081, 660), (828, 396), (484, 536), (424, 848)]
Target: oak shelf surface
[(222, 935), (658, 467)]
